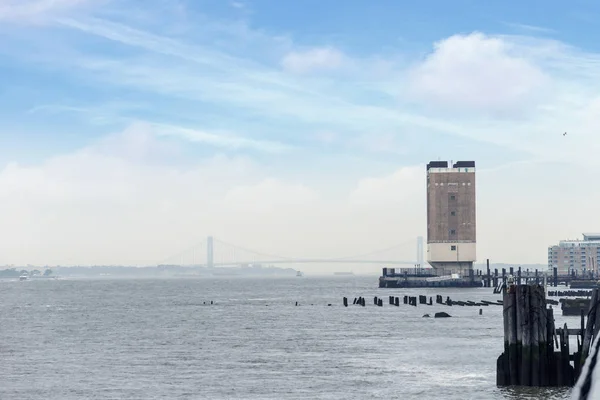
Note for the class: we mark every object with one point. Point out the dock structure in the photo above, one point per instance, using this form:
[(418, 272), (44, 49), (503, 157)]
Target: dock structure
[(426, 277), (497, 279), (530, 338)]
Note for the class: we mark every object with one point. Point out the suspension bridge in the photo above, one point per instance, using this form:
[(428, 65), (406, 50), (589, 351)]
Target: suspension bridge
[(212, 252)]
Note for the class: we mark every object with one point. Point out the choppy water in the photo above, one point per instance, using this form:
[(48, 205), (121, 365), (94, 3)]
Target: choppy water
[(155, 339)]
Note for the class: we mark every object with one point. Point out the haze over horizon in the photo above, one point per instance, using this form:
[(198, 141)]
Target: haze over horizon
[(132, 130)]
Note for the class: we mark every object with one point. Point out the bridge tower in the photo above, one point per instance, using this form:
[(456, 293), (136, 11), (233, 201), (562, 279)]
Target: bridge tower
[(209, 252), (420, 251)]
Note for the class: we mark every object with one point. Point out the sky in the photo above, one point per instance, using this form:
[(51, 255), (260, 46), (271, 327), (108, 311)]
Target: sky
[(132, 130)]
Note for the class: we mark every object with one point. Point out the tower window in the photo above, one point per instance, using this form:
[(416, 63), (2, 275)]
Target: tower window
[(453, 248), (453, 213), (452, 232), (453, 197)]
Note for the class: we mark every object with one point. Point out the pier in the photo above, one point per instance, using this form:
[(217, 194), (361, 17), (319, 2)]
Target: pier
[(419, 277)]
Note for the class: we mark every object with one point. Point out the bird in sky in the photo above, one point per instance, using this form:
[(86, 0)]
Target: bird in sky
[(565, 134)]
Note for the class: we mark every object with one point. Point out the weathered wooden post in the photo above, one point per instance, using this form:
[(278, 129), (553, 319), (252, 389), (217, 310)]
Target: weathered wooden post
[(535, 335), (589, 329), (345, 302), (495, 277), (488, 278)]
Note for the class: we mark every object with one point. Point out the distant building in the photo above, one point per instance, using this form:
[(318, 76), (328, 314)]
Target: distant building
[(575, 255), (451, 217)]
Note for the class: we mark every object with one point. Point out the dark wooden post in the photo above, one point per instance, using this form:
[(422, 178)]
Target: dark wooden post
[(589, 329)]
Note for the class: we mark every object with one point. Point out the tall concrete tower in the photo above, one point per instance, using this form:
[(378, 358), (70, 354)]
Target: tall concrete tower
[(451, 215)]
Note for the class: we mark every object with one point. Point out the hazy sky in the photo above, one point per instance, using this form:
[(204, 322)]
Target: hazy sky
[(130, 130)]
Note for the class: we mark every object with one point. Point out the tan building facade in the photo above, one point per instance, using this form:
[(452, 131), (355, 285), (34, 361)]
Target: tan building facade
[(580, 256), (451, 217)]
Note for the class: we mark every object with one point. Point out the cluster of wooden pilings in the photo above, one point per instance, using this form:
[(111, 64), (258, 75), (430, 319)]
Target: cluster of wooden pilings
[(421, 299), (526, 277), (530, 337), (358, 301), (569, 293)]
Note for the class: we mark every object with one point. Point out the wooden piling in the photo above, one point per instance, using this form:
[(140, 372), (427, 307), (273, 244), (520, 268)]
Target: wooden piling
[(551, 334), (535, 335), (521, 321), (495, 277), (511, 306), (543, 338), (597, 317), (525, 372), (589, 329), (345, 302)]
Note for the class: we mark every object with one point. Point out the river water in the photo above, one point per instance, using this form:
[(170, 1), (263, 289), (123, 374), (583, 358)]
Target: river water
[(157, 339)]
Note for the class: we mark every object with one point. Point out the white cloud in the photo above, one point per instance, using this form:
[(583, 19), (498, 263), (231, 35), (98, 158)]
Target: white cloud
[(530, 28), (32, 10), (268, 196), (227, 140), (381, 143), (478, 72), (324, 58)]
